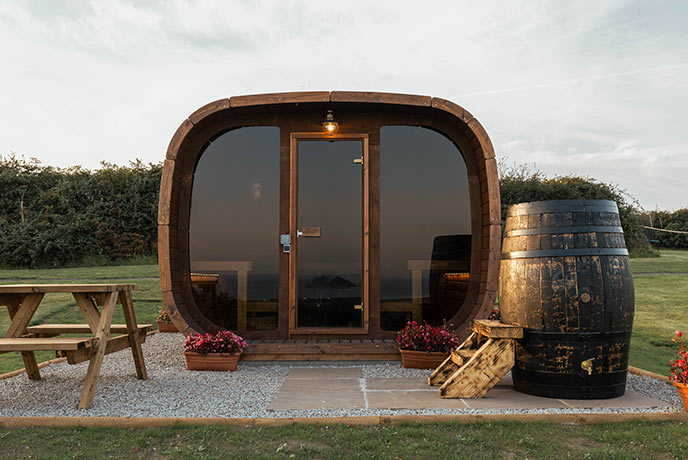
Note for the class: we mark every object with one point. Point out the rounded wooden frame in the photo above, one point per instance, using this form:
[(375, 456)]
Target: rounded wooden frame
[(215, 118)]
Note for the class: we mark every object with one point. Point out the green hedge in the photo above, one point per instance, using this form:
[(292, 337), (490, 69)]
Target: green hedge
[(520, 185), (51, 217), (677, 220)]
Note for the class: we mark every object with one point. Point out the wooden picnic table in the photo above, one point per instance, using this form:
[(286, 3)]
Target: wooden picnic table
[(22, 301)]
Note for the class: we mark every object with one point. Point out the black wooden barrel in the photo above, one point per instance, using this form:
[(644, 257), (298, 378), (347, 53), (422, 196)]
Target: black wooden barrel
[(566, 278)]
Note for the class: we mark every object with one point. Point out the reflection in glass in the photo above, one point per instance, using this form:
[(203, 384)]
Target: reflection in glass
[(234, 230), (425, 227), (329, 264)]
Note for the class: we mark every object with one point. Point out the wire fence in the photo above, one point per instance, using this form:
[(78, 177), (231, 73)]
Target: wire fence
[(664, 230)]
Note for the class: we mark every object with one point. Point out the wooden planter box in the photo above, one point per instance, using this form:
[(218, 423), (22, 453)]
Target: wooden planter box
[(683, 392), (167, 327), (421, 359), (212, 361)]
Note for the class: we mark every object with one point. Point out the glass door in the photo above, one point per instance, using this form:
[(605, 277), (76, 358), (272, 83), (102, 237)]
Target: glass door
[(330, 267)]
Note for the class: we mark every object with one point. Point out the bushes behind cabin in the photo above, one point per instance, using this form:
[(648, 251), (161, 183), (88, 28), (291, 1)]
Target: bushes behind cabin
[(53, 217), (520, 185)]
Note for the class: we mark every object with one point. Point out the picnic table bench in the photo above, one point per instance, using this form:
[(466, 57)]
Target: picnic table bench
[(22, 301)]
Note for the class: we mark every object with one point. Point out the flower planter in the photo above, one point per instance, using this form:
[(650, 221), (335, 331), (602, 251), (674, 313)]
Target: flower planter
[(211, 361), (167, 327), (683, 393), (421, 359)]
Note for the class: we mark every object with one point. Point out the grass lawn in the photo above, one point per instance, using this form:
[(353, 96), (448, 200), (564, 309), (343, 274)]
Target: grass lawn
[(661, 303), (661, 307), (669, 261), (504, 440), (103, 274)]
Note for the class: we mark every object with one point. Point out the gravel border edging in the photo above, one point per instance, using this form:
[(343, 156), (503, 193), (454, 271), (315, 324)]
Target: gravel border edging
[(242, 395), (643, 372)]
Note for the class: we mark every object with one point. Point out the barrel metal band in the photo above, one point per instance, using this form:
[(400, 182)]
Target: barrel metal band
[(559, 206), (584, 336), (566, 253), (556, 230)]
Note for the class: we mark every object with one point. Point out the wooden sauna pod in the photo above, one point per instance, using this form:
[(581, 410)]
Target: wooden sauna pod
[(565, 277), (290, 122)]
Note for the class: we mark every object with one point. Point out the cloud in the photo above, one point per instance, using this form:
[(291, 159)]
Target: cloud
[(599, 88)]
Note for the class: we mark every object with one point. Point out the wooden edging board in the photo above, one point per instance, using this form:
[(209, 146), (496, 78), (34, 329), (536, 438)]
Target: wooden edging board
[(643, 372), (384, 420)]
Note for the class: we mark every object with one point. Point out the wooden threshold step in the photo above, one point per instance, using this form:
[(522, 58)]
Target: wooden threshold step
[(322, 357), (320, 351), (321, 348)]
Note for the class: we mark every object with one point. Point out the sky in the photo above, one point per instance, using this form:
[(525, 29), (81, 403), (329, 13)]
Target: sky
[(594, 88)]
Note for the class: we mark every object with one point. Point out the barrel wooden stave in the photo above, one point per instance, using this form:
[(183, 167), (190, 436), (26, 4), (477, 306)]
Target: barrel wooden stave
[(574, 307), (578, 283)]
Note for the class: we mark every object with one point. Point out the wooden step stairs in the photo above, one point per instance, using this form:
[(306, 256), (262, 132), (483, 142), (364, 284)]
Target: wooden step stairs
[(479, 362)]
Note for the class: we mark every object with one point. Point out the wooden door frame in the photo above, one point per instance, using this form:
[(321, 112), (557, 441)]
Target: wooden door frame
[(294, 139)]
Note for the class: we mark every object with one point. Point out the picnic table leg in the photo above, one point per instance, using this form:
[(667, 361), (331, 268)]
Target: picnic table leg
[(20, 315), (96, 361), (132, 327), (88, 309)]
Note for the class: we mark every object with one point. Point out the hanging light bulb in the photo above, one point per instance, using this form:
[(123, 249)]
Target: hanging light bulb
[(329, 125)]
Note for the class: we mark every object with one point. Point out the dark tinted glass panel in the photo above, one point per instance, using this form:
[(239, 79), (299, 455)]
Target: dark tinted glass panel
[(425, 240), (329, 265), (234, 229)]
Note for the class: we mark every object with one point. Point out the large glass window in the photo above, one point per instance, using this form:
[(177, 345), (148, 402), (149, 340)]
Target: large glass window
[(234, 229), (425, 227)]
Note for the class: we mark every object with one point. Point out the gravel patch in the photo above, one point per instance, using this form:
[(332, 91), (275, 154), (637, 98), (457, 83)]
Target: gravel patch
[(172, 391), (654, 388)]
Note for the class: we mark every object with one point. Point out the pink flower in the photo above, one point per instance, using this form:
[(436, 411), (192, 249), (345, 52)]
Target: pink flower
[(425, 337), (221, 342)]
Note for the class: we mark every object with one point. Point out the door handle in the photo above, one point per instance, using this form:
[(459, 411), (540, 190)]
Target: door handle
[(309, 232)]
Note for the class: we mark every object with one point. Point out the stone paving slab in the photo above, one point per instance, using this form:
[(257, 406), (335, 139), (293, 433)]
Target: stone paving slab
[(343, 388), (511, 399), (399, 384), (318, 399), (306, 385), (411, 400), (506, 382), (629, 399), (324, 373), (324, 388)]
